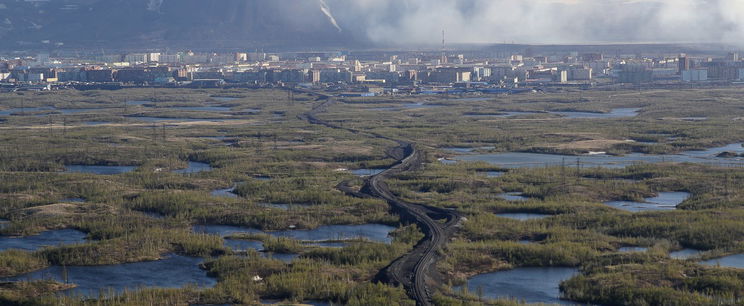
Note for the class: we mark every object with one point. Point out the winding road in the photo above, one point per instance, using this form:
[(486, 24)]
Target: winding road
[(414, 270)]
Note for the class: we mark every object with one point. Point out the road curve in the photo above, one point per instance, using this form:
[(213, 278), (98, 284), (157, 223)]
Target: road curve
[(412, 270)]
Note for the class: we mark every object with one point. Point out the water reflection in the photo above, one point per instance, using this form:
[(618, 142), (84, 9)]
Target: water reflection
[(48, 238), (664, 201), (531, 285), (173, 272)]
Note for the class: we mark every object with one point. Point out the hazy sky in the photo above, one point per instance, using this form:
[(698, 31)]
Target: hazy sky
[(541, 21)]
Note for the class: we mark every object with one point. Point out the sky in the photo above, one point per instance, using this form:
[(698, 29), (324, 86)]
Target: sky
[(540, 21)]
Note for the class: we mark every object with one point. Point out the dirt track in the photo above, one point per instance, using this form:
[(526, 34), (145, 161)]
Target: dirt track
[(413, 270)]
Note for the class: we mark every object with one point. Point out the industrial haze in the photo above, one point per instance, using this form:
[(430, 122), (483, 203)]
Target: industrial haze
[(354, 23)]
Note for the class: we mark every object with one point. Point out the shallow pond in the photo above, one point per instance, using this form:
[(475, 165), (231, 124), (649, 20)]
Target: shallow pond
[(733, 261), (513, 196), (173, 272), (48, 238), (494, 174), (632, 249), (684, 254), (664, 201), (531, 285), (523, 216), (367, 172), (102, 170), (23, 111), (531, 160), (373, 232), (194, 167), (615, 113)]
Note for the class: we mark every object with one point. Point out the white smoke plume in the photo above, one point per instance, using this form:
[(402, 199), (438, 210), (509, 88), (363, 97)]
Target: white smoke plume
[(544, 21), (327, 11)]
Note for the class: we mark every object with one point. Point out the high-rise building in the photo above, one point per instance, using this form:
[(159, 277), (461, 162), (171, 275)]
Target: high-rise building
[(684, 63), (733, 56)]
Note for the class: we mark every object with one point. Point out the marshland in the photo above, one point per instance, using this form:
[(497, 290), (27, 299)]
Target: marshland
[(589, 191)]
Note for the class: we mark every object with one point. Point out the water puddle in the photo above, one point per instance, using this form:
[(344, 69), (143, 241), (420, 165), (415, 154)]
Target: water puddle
[(531, 285), (664, 201), (24, 111), (194, 167), (632, 249), (173, 272), (494, 174), (102, 170), (615, 113), (523, 217), (225, 193), (684, 254), (48, 238), (532, 160), (373, 232), (733, 261), (513, 196), (367, 172)]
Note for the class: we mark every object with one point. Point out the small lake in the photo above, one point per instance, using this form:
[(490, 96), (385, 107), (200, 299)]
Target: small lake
[(173, 272), (531, 285), (523, 216), (513, 196), (532, 160), (194, 167), (684, 254), (632, 249), (367, 172), (373, 232), (494, 174), (664, 201), (102, 170), (23, 111), (733, 261), (48, 238), (242, 245), (615, 113)]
